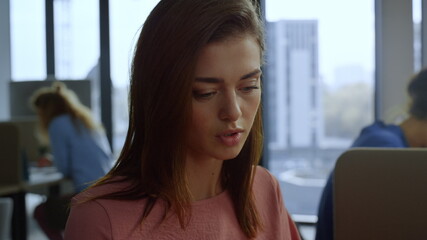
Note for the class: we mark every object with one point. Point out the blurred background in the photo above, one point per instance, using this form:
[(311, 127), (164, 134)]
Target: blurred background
[(331, 68)]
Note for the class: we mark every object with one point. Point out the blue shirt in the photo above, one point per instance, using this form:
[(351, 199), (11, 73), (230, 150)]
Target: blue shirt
[(376, 135), (79, 153)]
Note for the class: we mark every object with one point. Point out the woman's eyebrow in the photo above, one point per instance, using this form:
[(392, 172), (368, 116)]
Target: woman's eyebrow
[(251, 74), (209, 79), (218, 80)]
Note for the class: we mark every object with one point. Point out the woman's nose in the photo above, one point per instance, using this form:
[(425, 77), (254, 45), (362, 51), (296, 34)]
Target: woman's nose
[(230, 108)]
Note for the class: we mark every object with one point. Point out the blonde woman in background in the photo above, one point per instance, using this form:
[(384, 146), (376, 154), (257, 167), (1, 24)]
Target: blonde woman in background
[(79, 147)]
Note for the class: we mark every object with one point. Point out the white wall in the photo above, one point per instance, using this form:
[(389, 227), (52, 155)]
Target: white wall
[(5, 65), (424, 34), (394, 56)]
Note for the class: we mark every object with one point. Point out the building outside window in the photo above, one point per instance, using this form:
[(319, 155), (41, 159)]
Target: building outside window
[(319, 78)]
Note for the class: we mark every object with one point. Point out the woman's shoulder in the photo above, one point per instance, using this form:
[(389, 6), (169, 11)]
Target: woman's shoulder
[(105, 218), (96, 192), (269, 201), (91, 216), (263, 175), (380, 134), (264, 181)]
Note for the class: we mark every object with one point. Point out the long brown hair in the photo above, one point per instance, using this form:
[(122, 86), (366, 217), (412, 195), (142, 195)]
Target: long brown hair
[(50, 102), (153, 156)]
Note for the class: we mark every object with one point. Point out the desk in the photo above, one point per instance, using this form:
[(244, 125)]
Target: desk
[(39, 178), (42, 178), (6, 189)]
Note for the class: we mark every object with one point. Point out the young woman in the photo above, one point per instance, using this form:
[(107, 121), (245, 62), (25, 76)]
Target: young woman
[(188, 169), (79, 147)]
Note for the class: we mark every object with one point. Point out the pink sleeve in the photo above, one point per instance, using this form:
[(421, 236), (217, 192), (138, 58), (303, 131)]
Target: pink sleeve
[(285, 216), (88, 221), (293, 229)]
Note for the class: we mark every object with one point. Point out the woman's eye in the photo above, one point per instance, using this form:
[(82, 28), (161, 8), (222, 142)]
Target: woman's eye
[(203, 95), (249, 89)]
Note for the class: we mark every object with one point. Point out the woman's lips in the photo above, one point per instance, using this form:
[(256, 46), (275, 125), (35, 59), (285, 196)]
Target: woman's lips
[(230, 138)]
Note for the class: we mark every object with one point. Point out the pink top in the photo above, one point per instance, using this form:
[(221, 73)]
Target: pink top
[(212, 219)]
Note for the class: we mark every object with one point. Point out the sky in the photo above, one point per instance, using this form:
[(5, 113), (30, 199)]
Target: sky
[(346, 30)]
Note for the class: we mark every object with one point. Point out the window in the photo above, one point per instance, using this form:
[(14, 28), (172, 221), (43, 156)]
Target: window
[(416, 18), (319, 84), (126, 19), (76, 38), (28, 40), (76, 28)]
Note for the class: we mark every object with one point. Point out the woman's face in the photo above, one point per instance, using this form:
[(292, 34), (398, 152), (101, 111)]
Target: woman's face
[(226, 97)]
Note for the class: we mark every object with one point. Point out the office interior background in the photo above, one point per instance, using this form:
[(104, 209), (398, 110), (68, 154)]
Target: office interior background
[(331, 68)]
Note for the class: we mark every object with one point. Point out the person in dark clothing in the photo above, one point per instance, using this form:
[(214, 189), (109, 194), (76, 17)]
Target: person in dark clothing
[(412, 132)]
